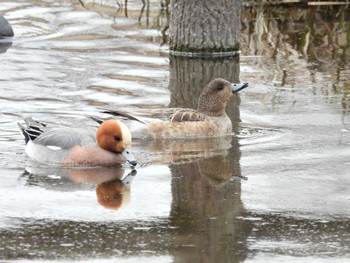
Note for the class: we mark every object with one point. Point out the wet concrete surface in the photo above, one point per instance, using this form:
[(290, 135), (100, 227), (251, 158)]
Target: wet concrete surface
[(277, 190)]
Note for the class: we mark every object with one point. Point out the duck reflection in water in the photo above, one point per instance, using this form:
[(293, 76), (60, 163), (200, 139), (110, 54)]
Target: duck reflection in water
[(215, 159), (111, 184), (4, 45), (6, 34)]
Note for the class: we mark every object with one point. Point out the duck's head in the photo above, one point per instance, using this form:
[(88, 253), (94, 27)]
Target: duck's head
[(113, 194), (115, 136), (216, 94)]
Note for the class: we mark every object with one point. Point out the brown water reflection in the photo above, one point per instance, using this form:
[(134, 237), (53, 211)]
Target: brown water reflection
[(206, 204), (111, 183), (190, 201), (304, 42)]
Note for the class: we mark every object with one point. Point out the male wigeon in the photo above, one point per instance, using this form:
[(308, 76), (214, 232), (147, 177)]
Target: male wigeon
[(65, 146), (210, 118)]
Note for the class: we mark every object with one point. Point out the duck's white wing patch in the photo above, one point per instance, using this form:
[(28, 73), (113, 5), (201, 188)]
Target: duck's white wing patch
[(53, 147)]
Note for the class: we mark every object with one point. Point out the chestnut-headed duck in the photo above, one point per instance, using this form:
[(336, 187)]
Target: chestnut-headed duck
[(65, 146), (210, 118)]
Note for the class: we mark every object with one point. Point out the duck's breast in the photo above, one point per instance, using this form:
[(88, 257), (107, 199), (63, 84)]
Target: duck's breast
[(91, 156)]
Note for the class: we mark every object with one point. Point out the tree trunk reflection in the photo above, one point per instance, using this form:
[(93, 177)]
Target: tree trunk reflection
[(206, 198)]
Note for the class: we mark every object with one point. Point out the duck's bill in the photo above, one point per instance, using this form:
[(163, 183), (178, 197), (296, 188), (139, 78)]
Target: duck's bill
[(129, 157), (128, 179), (238, 86)]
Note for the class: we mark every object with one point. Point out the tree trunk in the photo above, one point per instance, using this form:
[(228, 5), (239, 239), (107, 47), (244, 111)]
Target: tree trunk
[(204, 27)]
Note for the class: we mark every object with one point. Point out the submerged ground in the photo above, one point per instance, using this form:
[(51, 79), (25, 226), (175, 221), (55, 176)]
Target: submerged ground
[(277, 190)]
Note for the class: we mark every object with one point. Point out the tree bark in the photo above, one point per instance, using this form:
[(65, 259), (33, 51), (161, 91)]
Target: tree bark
[(207, 27)]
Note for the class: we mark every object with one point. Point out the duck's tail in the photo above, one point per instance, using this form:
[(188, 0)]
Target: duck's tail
[(123, 115), (96, 119), (31, 129)]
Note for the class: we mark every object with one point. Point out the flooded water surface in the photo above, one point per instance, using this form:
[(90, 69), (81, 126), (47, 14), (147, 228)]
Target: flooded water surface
[(277, 190)]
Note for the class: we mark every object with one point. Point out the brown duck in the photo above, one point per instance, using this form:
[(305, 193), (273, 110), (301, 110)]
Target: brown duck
[(210, 118)]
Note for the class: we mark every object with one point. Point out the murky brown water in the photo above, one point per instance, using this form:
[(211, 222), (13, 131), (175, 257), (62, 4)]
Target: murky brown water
[(277, 191)]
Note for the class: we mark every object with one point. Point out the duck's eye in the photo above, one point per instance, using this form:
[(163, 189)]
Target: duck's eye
[(117, 138), (219, 87)]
